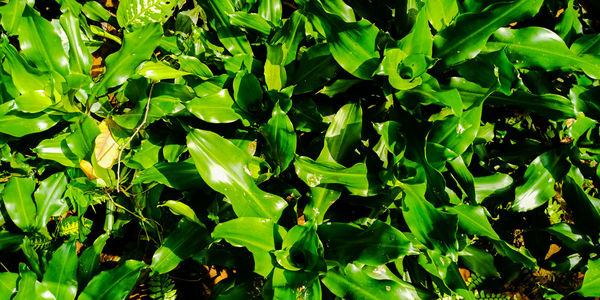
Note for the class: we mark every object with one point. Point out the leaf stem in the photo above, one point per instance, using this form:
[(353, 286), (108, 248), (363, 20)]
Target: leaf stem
[(145, 119)]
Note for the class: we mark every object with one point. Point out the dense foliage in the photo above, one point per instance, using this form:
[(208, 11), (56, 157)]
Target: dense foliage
[(357, 149)]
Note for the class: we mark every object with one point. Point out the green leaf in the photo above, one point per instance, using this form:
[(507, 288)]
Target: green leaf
[(81, 141), (11, 15), (49, 198), (552, 106), (478, 261), (321, 198), (57, 149), (8, 284), (137, 47), (586, 209), (571, 237), (315, 68), (301, 250), (375, 245), (80, 59), (231, 37), (252, 21), (591, 282), (474, 220), (182, 209), (540, 177), (159, 71), (352, 282), (343, 134), (20, 124), (61, 275), (187, 239), (435, 229), (24, 76), (487, 186), (316, 173), (215, 108), (280, 139), (441, 12), (41, 44), (264, 237), (222, 165), (181, 175), (542, 48), (27, 285), (95, 11), (247, 92), (270, 10), (352, 45), (18, 202), (134, 14), (32, 102), (114, 283), (466, 37), (89, 261)]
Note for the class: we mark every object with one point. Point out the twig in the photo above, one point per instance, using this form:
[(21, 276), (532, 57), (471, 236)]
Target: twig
[(131, 138)]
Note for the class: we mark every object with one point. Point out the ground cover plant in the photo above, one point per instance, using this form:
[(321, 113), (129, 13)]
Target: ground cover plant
[(316, 149)]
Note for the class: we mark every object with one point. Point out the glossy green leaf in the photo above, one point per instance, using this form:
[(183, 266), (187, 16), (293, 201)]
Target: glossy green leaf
[(114, 283), (251, 21), (571, 237), (159, 71), (27, 285), (41, 44), (32, 102), (466, 37), (553, 106), (81, 140), (231, 37), (181, 175), (8, 284), (19, 203), (280, 139), (479, 261), (487, 186), (540, 177), (20, 124), (57, 149), (215, 108), (315, 173), (11, 15), (343, 134), (264, 237), (375, 245), (95, 11), (80, 59), (353, 283), (316, 67), (89, 261), (270, 10), (542, 48), (60, 277), (437, 230), (474, 220), (222, 165), (321, 198), (135, 14), (352, 45), (49, 198), (187, 239), (182, 209), (25, 77), (590, 286), (137, 47)]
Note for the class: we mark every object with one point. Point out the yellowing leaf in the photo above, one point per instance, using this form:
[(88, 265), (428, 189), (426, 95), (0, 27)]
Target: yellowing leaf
[(87, 169), (106, 149)]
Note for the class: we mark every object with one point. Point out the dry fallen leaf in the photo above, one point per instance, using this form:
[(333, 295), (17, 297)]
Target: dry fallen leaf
[(106, 149)]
